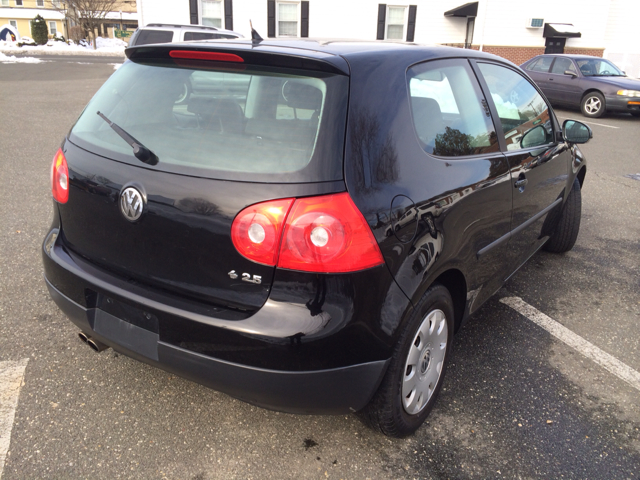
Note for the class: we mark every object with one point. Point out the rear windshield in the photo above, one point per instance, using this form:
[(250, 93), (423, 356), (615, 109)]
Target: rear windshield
[(256, 124)]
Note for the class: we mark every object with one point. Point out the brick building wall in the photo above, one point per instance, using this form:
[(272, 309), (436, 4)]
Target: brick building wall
[(519, 55)]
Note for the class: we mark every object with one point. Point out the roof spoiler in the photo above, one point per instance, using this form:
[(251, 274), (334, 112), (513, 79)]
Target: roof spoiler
[(250, 54)]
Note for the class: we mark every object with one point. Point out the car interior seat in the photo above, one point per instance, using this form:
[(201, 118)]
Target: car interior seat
[(587, 69), (219, 114), (428, 120)]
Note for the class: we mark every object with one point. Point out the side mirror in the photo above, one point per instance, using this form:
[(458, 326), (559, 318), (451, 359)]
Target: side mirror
[(576, 132), (571, 73)]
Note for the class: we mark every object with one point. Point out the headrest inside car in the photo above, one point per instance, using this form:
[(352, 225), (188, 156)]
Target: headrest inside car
[(299, 95)]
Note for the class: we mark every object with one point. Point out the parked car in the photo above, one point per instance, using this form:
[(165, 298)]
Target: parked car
[(593, 84), (307, 229), (167, 33)]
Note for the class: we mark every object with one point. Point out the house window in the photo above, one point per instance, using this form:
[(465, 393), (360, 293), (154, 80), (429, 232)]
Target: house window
[(18, 3), (13, 23), (40, 3), (212, 13), (396, 17), (4, 3), (288, 19), (53, 29)]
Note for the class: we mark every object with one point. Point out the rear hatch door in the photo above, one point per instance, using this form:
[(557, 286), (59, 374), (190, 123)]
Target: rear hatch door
[(225, 138)]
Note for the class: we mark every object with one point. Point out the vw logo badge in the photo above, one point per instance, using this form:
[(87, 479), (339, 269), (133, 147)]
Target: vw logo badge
[(131, 204)]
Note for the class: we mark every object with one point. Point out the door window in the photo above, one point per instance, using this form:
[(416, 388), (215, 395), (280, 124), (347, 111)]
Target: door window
[(542, 65), (450, 115), (562, 65), (523, 113)]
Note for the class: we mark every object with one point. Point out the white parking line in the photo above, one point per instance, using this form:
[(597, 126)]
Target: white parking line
[(11, 375), (587, 349), (588, 123)]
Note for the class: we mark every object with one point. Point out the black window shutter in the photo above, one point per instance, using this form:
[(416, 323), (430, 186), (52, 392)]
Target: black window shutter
[(304, 19), (228, 14), (411, 24), (271, 18), (382, 17), (193, 11)]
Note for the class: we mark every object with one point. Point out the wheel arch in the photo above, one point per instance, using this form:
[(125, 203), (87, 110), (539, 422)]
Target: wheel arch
[(590, 90), (454, 281), (582, 173)]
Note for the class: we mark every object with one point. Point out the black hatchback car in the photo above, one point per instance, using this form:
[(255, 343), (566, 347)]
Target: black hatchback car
[(308, 225), (593, 84)]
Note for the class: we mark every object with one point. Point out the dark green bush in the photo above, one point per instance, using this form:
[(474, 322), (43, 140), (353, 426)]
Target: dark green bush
[(39, 31)]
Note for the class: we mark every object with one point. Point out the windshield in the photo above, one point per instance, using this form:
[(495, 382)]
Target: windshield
[(598, 67), (261, 124)]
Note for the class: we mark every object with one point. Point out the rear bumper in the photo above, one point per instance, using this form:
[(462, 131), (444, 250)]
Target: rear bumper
[(335, 370), (333, 391)]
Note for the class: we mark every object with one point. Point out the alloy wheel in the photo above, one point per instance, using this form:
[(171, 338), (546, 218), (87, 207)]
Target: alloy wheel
[(592, 105)]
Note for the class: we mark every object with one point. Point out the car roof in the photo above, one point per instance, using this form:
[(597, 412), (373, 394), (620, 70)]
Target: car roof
[(187, 27), (568, 55), (347, 48), (176, 25)]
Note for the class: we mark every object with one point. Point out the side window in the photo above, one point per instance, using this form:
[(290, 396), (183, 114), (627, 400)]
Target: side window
[(148, 37), (194, 36), (450, 115), (562, 65), (523, 113), (541, 65)]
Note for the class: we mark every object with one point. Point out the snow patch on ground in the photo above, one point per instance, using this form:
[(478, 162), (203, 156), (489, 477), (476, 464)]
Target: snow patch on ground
[(105, 46), (110, 43), (12, 59)]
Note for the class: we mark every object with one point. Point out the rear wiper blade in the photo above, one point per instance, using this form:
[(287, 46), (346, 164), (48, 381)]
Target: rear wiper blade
[(141, 152)]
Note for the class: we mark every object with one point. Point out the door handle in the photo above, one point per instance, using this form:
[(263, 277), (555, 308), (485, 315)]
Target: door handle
[(521, 183)]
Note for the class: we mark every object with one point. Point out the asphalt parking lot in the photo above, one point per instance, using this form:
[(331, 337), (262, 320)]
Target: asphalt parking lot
[(518, 402)]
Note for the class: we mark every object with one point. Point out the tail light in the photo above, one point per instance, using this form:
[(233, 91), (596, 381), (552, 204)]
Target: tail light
[(257, 230), (60, 178), (321, 234)]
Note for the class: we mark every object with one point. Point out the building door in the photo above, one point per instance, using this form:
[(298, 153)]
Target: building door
[(554, 45)]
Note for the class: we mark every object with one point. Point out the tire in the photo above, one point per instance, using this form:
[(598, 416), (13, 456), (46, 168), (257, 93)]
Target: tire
[(566, 232), (417, 367), (593, 105)]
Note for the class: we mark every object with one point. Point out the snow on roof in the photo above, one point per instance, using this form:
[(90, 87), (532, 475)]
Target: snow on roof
[(30, 13), (125, 16)]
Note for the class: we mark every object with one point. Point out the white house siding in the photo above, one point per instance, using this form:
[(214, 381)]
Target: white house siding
[(622, 37), (500, 27), (163, 11), (506, 21), (254, 10)]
